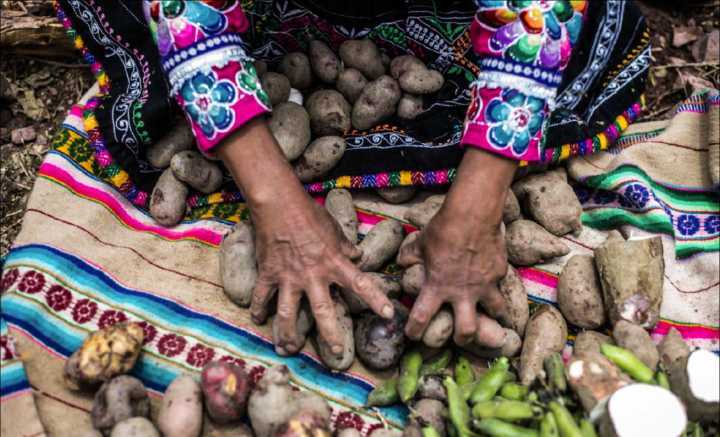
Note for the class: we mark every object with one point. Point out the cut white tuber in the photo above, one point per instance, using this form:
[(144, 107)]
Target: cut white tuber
[(643, 410)]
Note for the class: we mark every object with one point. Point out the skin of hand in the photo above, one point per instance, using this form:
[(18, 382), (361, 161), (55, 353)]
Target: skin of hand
[(463, 248), (299, 248)]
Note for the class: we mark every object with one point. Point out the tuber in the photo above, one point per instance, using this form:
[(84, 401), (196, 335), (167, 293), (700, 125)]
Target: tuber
[(545, 333), (225, 387), (339, 204), (119, 399), (319, 158), (397, 194), (329, 113), (238, 268), (376, 102), (324, 62), (167, 201), (276, 86), (579, 295), (636, 339), (351, 83), (380, 244), (529, 244), (517, 310), (421, 214), (379, 343), (181, 411), (290, 125), (296, 67), (135, 427), (364, 56), (344, 360), (179, 138)]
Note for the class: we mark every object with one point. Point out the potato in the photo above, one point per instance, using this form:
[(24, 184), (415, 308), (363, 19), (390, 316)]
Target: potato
[(402, 64), (349, 432), (672, 348), (379, 343), (546, 333), (344, 360), (413, 279), (425, 81), (319, 158), (225, 387), (351, 83), (376, 102), (431, 387), (550, 201), (135, 427), (380, 244), (386, 432), (104, 354), (290, 125), (120, 398), (511, 209), (167, 201), (303, 325), (276, 86), (529, 243), (296, 67), (212, 429), (238, 268), (429, 412), (364, 56), (590, 341), (593, 378), (508, 344), (339, 204), (329, 113), (489, 333), (260, 67), (304, 424), (634, 338), (439, 330), (181, 411), (421, 214), (92, 432), (397, 194), (179, 138), (579, 295), (387, 284), (324, 62), (517, 310), (190, 167), (409, 106)]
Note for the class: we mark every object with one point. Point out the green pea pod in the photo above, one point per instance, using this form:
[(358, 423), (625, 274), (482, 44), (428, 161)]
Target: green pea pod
[(464, 373), (503, 410), (452, 432), (587, 428), (498, 428), (565, 422), (510, 377), (489, 383), (384, 394), (532, 397), (555, 370), (548, 426), (514, 391), (694, 430), (436, 364), (458, 409), (407, 383), (467, 389), (662, 379), (429, 431), (628, 363)]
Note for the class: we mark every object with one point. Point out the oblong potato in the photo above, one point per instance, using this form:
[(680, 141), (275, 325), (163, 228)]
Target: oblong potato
[(377, 101), (319, 158), (167, 201), (181, 411), (238, 268), (324, 62), (277, 87), (364, 56), (290, 125), (410, 106), (329, 113), (296, 67), (192, 168), (351, 83)]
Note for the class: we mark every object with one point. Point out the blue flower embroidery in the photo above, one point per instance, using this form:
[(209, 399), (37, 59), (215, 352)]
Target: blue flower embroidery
[(688, 224), (712, 224), (207, 18), (208, 101), (514, 119), (603, 197), (635, 196)]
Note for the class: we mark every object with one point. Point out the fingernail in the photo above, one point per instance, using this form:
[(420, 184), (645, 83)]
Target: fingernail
[(388, 311), (337, 349)]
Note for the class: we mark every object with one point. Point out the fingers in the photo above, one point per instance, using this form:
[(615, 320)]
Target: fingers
[(350, 250), (262, 294), (424, 308), (410, 254), (323, 308), (489, 332), (286, 318), (494, 304), (465, 321), (362, 284)]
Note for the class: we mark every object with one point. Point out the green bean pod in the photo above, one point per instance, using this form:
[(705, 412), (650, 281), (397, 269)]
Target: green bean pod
[(555, 369), (384, 394), (514, 391), (548, 426), (498, 428), (694, 430), (503, 410), (628, 363), (429, 431), (458, 409), (662, 379), (437, 364), (565, 422), (489, 383), (587, 428), (464, 373), (467, 389), (510, 377), (407, 383)]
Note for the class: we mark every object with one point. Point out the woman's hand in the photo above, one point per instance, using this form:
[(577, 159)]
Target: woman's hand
[(463, 248)]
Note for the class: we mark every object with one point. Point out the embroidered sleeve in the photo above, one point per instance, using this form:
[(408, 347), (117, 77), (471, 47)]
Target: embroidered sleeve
[(208, 71), (524, 46)]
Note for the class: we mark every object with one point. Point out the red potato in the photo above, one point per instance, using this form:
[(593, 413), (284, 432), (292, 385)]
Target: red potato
[(225, 387)]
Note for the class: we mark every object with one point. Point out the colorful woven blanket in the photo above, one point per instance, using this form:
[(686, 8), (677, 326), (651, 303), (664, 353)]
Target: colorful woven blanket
[(87, 258)]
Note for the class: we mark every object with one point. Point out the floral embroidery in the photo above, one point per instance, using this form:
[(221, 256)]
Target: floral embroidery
[(603, 197), (8, 279), (248, 81), (200, 355), (32, 282), (149, 330), (58, 298), (712, 224), (232, 360), (348, 419), (84, 310), (7, 349), (688, 224), (111, 317), (207, 101), (514, 119), (635, 196), (255, 374), (171, 345)]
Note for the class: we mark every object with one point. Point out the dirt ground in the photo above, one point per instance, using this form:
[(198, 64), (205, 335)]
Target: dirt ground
[(37, 91)]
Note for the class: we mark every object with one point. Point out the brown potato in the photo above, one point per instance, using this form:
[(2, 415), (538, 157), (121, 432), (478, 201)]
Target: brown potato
[(119, 399), (179, 138), (380, 244), (277, 87), (377, 102), (413, 279), (402, 64), (296, 67), (590, 341), (329, 113), (672, 348), (303, 325), (238, 268), (410, 106), (397, 194), (421, 214), (351, 83), (325, 63), (417, 81), (290, 125), (181, 411), (319, 158), (192, 168), (168, 198), (634, 338), (385, 283), (344, 360), (546, 332), (364, 56), (135, 427), (439, 330), (339, 204), (517, 309), (260, 67), (529, 243), (579, 294), (511, 209)]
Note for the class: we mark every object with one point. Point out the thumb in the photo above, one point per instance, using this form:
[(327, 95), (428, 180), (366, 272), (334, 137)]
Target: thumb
[(410, 253)]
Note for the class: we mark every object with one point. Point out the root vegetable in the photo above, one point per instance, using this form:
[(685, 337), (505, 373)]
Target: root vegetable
[(594, 378), (380, 244), (277, 87), (384, 394), (119, 399), (631, 274), (409, 106), (517, 310), (643, 410), (104, 354), (696, 380), (290, 125), (379, 343), (672, 348), (305, 423), (431, 387), (397, 194), (423, 81), (324, 62), (364, 56), (402, 64), (351, 83), (349, 432), (413, 279), (135, 427), (421, 214), (167, 201), (225, 387), (387, 284), (178, 139), (296, 67), (238, 268), (376, 102), (303, 325), (590, 341), (329, 113), (409, 375), (529, 244), (545, 333), (489, 332), (181, 412), (190, 167), (385, 432), (509, 342), (439, 330), (344, 360), (260, 67), (319, 158), (511, 208), (636, 339), (339, 205), (579, 294), (430, 412)]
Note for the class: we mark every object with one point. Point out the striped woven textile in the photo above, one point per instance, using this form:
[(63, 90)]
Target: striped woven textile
[(87, 258)]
